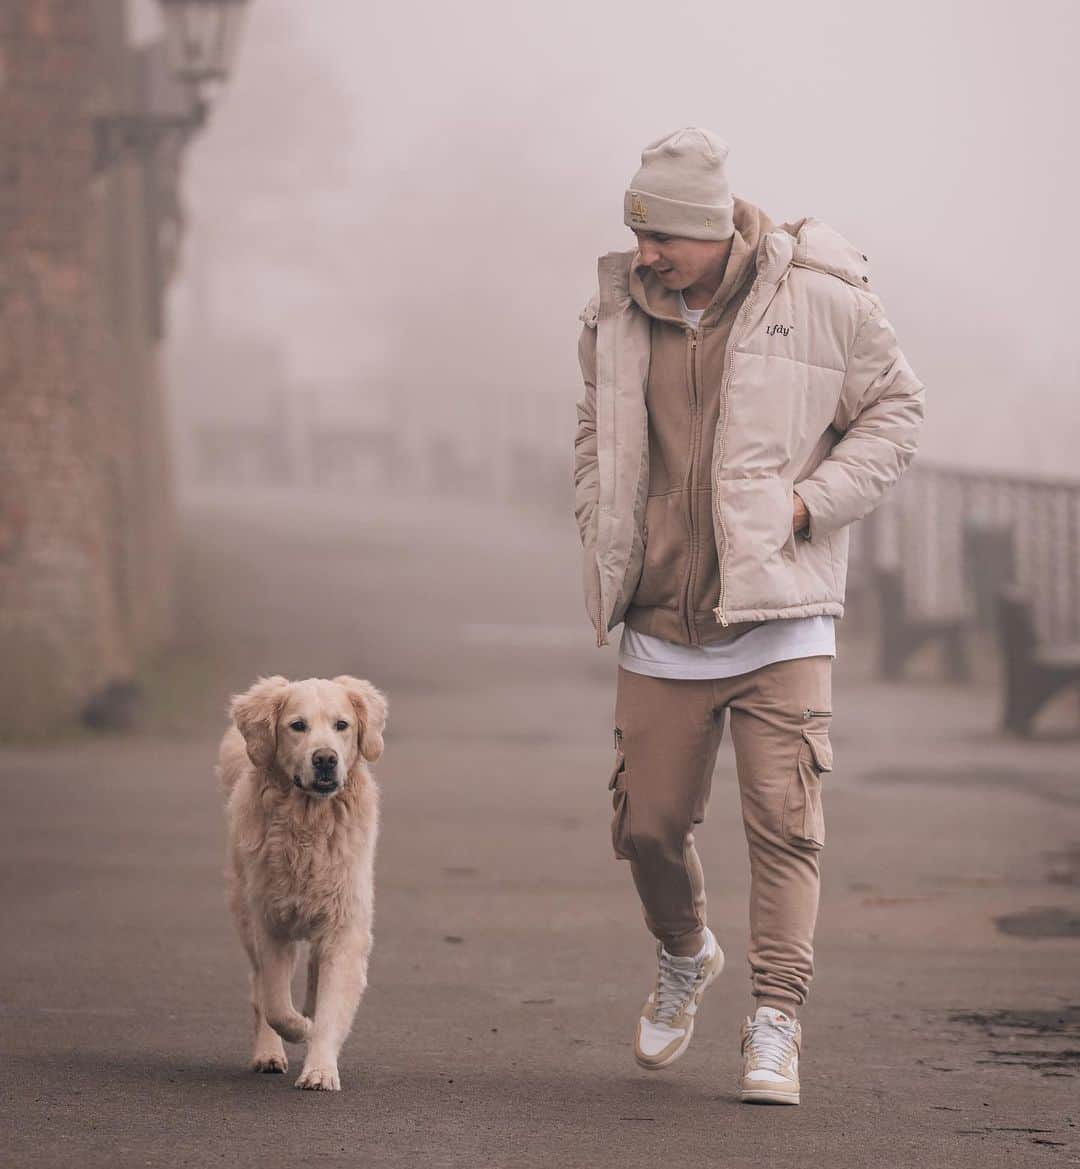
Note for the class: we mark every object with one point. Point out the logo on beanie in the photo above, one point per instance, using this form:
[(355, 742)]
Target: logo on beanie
[(639, 213)]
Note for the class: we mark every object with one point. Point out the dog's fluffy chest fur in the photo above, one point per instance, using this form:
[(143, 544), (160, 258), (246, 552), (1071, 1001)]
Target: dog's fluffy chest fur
[(308, 857)]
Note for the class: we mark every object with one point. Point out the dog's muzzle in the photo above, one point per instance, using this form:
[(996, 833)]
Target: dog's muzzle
[(324, 764)]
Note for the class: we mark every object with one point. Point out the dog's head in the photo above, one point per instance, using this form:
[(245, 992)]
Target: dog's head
[(310, 734)]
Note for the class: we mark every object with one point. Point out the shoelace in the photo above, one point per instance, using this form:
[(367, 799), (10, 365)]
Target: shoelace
[(769, 1044), (674, 985)]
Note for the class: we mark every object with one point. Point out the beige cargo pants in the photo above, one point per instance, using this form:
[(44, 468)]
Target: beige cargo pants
[(667, 733)]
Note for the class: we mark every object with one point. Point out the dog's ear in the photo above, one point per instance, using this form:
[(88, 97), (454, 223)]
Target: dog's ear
[(371, 709), (256, 713)]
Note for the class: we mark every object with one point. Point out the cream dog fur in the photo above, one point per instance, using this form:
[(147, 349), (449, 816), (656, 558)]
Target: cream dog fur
[(302, 819)]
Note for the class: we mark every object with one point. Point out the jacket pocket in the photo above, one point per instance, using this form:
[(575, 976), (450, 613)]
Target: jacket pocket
[(804, 816), (667, 554), (761, 554), (621, 840)]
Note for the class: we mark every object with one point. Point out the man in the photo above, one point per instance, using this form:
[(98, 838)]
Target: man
[(745, 401)]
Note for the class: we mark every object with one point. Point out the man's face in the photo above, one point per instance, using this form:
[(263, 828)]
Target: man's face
[(680, 262)]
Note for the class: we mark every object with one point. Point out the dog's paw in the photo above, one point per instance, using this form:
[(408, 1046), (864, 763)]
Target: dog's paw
[(319, 1079), (274, 1063), (294, 1028)]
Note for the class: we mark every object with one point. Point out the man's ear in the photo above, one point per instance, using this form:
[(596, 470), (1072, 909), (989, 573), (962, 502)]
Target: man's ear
[(256, 713), (371, 710)]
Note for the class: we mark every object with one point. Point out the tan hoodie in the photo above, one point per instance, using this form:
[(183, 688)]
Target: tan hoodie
[(680, 578), (814, 395)]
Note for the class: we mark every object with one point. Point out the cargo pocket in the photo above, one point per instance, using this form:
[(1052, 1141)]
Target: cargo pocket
[(620, 823), (804, 817)]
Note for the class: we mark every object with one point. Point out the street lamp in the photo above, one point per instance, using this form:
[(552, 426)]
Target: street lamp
[(201, 37)]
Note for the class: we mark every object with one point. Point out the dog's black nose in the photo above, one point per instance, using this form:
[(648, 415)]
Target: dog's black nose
[(325, 759)]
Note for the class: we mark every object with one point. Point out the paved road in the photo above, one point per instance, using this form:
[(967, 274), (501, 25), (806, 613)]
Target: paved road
[(510, 958)]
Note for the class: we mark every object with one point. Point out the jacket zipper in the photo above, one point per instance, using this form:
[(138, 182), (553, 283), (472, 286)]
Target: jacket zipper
[(695, 435), (601, 640), (808, 713), (744, 313)]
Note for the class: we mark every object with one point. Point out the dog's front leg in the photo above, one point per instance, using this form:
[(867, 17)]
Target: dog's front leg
[(269, 1054), (343, 961), (277, 957)]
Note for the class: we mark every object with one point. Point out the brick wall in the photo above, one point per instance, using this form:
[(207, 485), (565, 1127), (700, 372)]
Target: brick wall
[(85, 513)]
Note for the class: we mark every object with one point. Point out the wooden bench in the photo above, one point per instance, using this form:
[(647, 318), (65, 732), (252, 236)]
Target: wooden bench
[(901, 635), (1033, 673)]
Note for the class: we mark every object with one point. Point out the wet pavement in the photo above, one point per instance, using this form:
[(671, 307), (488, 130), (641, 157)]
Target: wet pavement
[(510, 958)]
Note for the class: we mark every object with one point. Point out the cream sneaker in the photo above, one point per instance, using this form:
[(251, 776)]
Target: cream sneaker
[(667, 1018), (770, 1048)]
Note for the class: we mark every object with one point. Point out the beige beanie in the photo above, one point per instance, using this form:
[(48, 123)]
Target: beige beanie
[(681, 188)]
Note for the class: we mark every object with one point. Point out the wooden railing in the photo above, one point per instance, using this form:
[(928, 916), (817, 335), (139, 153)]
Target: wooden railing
[(956, 538)]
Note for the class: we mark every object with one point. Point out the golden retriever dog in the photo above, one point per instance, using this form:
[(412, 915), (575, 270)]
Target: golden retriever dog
[(302, 819)]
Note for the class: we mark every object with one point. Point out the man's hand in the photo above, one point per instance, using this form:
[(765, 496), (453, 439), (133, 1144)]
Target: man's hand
[(800, 517)]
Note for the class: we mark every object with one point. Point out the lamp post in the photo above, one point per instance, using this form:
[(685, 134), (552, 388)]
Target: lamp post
[(201, 37)]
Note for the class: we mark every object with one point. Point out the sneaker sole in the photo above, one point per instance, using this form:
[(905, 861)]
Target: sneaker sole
[(767, 1096), (668, 1060)]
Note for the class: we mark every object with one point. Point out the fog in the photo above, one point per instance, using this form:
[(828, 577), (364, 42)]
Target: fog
[(415, 194), (390, 224)]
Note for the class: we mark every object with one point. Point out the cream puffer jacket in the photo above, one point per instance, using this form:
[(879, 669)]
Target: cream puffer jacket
[(817, 398)]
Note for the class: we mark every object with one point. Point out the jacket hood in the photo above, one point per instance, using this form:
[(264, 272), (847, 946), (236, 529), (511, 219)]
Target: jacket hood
[(758, 245), (814, 244), (751, 225)]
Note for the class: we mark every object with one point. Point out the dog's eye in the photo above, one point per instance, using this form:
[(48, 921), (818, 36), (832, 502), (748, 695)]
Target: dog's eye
[(341, 725), (298, 725)]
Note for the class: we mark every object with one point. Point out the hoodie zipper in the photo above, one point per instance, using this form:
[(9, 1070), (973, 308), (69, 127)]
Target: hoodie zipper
[(691, 481)]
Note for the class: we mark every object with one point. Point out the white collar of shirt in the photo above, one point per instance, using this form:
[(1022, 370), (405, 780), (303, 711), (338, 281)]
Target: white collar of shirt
[(692, 316)]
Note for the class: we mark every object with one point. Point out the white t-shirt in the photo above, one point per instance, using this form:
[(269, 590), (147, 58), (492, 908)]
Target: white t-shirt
[(772, 641)]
